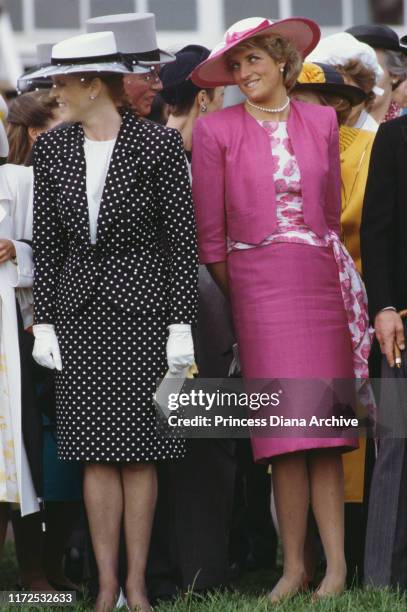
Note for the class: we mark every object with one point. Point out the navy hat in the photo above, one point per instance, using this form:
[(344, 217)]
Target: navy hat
[(377, 36), (326, 79), (178, 87)]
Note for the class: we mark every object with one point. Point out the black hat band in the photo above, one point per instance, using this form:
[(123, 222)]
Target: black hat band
[(145, 56), (94, 59)]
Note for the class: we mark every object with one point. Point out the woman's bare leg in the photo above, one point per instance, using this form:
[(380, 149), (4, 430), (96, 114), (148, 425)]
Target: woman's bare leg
[(310, 548), (291, 492), (140, 494), (327, 499), (103, 494)]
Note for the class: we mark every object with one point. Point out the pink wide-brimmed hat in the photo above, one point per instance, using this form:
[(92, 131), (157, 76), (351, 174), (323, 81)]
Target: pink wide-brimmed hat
[(213, 72)]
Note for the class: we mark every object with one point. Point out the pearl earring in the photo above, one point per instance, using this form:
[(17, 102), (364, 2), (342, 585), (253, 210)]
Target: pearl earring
[(282, 69), (92, 97)]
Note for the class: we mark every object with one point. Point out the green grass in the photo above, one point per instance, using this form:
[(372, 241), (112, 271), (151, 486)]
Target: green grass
[(248, 595)]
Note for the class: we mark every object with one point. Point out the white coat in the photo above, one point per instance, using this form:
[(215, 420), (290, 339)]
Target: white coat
[(16, 281)]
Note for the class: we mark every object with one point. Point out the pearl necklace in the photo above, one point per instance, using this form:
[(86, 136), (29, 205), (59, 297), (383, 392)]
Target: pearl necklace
[(270, 110)]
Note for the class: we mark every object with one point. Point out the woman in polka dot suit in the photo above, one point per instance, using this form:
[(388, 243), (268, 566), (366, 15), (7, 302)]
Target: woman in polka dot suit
[(115, 266)]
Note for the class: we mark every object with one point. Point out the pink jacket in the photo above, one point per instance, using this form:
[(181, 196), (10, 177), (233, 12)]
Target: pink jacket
[(233, 183)]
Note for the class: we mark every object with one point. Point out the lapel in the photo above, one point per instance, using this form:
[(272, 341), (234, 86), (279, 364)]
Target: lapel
[(122, 172), (261, 163), (309, 146), (304, 147), (73, 159)]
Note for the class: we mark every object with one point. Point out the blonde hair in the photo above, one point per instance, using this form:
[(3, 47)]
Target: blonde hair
[(280, 49)]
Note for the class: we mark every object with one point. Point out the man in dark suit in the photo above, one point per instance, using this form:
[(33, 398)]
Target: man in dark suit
[(384, 261)]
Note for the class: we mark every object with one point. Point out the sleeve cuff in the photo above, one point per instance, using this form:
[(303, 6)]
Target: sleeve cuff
[(179, 327), (23, 274)]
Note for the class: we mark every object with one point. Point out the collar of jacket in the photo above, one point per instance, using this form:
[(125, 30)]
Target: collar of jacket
[(122, 170), (308, 134), (130, 124)]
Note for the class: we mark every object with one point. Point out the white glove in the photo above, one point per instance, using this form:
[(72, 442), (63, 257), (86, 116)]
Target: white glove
[(46, 347), (180, 347)]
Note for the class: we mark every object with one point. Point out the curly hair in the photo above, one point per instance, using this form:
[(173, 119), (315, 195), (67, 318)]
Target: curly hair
[(396, 63), (358, 74), (280, 49)]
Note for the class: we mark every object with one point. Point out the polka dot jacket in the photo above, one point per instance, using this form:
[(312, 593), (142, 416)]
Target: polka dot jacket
[(111, 302), (145, 257)]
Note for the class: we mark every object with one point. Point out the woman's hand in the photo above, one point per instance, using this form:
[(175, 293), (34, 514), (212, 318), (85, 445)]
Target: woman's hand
[(7, 250), (180, 347), (46, 348)]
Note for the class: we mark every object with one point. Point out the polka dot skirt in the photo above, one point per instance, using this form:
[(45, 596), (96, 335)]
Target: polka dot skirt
[(111, 361)]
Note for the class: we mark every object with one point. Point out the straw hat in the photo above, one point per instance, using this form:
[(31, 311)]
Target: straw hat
[(302, 32), (85, 53), (325, 79)]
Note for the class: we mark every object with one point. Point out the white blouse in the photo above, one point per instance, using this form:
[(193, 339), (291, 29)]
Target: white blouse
[(98, 154), (366, 122)]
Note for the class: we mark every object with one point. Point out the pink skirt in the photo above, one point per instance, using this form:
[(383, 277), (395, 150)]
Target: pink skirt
[(290, 322)]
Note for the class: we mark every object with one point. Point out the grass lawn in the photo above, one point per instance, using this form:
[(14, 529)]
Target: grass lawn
[(248, 595)]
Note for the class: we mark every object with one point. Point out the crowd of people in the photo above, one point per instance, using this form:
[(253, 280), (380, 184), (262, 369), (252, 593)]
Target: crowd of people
[(161, 210)]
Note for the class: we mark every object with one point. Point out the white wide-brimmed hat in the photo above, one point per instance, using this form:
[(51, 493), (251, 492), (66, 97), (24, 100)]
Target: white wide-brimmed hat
[(303, 33), (338, 49), (85, 53), (3, 135), (136, 38)]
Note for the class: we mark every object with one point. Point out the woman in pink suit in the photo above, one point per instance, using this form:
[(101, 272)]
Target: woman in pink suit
[(266, 182)]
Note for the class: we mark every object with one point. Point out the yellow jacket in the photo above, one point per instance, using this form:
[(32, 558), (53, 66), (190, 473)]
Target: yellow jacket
[(355, 149)]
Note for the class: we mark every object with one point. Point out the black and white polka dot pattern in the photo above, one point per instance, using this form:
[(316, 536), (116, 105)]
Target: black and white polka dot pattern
[(111, 303)]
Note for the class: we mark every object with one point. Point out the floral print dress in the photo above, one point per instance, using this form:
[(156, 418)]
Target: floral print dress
[(291, 227)]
